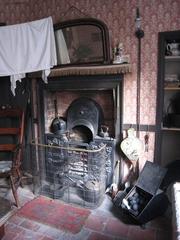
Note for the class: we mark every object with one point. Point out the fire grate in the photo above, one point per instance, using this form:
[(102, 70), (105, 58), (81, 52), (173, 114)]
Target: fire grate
[(73, 173)]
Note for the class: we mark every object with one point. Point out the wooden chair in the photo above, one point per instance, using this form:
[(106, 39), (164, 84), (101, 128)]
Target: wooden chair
[(11, 139)]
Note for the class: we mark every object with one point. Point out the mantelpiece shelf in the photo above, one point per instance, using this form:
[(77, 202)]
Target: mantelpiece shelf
[(92, 70), (86, 70)]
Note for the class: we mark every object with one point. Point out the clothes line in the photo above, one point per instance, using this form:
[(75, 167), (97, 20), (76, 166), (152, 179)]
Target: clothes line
[(27, 47)]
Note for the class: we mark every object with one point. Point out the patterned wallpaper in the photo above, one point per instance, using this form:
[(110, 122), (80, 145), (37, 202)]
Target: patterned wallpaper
[(119, 15)]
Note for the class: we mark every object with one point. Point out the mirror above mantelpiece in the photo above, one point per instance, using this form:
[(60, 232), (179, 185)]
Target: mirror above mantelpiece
[(83, 41)]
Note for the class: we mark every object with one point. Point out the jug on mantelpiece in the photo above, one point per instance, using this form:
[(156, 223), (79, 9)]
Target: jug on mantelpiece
[(173, 49)]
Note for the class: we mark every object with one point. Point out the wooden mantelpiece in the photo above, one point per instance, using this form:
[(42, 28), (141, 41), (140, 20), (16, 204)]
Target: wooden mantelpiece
[(86, 70), (91, 70)]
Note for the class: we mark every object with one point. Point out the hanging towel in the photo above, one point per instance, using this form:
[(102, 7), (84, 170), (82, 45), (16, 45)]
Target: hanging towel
[(27, 47)]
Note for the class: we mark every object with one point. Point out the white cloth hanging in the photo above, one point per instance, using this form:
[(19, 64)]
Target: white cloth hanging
[(27, 47)]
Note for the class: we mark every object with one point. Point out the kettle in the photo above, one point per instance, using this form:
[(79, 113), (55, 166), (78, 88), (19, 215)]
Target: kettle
[(58, 125)]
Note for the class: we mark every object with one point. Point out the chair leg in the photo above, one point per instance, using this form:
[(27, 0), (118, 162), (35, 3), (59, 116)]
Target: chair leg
[(19, 177), (14, 191)]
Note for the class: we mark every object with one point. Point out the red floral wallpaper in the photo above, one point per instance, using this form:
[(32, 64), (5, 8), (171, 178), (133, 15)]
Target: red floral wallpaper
[(119, 15)]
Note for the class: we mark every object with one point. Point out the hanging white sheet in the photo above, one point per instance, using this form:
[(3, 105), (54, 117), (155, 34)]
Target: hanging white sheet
[(27, 47)]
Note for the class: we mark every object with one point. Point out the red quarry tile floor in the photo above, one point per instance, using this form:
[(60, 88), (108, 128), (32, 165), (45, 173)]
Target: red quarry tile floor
[(101, 224)]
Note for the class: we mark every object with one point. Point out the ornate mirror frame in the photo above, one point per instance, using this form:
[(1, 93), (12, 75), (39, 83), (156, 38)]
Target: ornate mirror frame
[(82, 41)]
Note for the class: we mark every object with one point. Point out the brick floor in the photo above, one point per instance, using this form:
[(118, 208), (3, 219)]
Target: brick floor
[(99, 236), (100, 225), (136, 232), (116, 228), (29, 224), (96, 223)]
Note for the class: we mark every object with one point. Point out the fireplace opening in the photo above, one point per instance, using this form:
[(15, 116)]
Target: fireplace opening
[(103, 100), (81, 134), (77, 168)]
